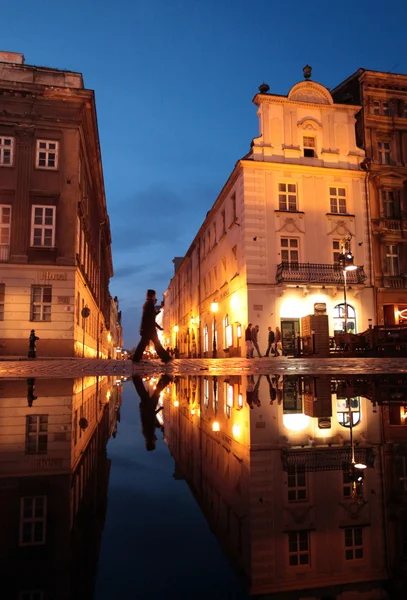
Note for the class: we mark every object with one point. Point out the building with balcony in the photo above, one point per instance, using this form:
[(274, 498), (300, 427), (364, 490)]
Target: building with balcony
[(267, 252), (382, 132), (268, 460), (55, 243)]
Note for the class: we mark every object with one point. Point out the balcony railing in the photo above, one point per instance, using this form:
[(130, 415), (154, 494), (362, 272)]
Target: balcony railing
[(292, 272), (4, 252), (394, 281)]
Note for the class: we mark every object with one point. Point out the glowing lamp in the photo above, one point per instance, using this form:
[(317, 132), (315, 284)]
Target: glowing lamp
[(215, 426)]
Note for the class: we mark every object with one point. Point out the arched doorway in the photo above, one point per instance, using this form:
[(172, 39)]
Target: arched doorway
[(339, 318)]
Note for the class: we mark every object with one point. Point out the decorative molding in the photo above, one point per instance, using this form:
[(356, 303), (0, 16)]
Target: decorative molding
[(24, 132), (340, 228), (309, 91), (309, 123), (289, 225)]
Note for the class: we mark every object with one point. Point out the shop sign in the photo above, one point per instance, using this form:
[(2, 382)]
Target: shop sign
[(54, 276)]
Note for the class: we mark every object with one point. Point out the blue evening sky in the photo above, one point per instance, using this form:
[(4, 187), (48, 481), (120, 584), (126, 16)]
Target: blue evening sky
[(174, 81)]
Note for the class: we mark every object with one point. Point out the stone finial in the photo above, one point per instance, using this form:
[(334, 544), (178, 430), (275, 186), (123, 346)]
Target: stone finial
[(264, 88), (307, 70)]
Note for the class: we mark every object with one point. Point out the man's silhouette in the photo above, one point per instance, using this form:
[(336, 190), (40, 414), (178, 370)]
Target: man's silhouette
[(148, 408)]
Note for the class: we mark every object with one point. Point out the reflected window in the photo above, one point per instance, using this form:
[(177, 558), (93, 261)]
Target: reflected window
[(296, 484), (353, 543), (298, 548), (292, 398), (206, 339), (345, 407), (36, 437), (215, 395), (228, 333), (339, 318), (402, 472), (346, 483), (32, 520), (206, 393)]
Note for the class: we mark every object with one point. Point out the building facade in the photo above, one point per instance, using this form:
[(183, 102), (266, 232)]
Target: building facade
[(55, 254), (267, 252), (382, 132)]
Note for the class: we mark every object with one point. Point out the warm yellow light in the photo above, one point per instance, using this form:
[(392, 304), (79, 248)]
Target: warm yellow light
[(234, 301), (214, 307), (108, 395), (295, 422), (192, 320), (360, 466), (109, 337), (192, 411), (215, 426), (236, 431), (175, 328), (176, 403)]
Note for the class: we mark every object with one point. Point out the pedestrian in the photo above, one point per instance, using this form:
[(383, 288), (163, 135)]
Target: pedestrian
[(255, 333), (148, 330), (270, 341), (248, 341), (277, 340), (148, 408)]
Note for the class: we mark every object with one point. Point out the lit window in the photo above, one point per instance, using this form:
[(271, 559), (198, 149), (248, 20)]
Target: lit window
[(32, 520), (287, 196), (345, 407), (6, 151), (309, 146), (47, 154), (289, 250), (43, 226), (41, 301), (206, 339), (298, 548), (383, 153), (296, 484), (36, 434), (337, 196), (206, 393), (228, 333), (353, 543), (339, 318)]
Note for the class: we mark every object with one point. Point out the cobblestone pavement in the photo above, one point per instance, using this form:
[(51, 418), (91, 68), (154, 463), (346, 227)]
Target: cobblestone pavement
[(79, 367)]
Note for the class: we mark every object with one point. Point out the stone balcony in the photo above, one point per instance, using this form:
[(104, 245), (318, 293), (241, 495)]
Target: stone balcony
[(293, 272)]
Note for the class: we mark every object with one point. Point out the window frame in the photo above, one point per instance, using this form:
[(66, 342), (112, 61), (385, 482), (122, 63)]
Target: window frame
[(5, 227), (335, 199), (4, 148), (309, 147), (384, 153), (42, 226), (47, 151), (298, 552), (37, 434), (33, 520), (284, 196), (353, 548), (42, 303), (290, 249), (297, 485), (390, 255)]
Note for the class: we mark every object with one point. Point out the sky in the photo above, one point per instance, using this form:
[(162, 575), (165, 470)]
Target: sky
[(174, 83)]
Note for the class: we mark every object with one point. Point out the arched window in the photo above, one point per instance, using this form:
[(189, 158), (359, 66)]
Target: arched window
[(339, 318), (228, 329), (206, 339), (345, 407)]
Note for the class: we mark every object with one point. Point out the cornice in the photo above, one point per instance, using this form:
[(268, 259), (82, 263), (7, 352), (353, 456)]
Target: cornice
[(306, 169), (270, 99)]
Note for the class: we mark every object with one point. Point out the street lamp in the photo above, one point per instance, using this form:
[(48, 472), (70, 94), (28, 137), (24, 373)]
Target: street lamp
[(214, 309), (345, 260), (356, 469)]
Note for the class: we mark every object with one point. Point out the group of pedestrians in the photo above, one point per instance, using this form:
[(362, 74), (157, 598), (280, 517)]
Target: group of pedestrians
[(252, 343)]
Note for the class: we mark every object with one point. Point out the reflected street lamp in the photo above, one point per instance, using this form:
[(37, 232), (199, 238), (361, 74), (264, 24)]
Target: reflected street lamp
[(214, 309), (356, 469), (345, 261)]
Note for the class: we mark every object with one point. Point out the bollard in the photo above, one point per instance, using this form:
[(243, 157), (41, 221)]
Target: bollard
[(32, 351)]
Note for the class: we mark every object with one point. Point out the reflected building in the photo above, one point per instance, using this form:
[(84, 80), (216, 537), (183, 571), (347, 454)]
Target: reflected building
[(275, 465), (54, 475)]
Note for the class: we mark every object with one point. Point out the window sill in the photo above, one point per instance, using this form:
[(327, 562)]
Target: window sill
[(37, 168), (298, 212), (7, 166), (331, 214)]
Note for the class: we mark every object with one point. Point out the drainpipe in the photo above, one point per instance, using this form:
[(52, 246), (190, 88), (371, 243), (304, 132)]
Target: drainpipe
[(366, 167)]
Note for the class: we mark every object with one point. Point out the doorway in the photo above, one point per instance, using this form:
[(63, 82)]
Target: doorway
[(290, 330), (389, 315)]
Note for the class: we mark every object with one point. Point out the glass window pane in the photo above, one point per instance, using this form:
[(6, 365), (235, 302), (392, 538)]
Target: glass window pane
[(304, 559)]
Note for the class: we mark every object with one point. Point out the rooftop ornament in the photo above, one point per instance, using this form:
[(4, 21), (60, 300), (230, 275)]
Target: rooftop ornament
[(264, 88), (307, 70)]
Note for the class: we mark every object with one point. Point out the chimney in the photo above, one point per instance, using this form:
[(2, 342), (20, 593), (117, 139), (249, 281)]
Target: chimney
[(12, 57)]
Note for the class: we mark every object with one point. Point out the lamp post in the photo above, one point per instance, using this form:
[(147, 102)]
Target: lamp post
[(346, 264), (214, 309), (356, 469)]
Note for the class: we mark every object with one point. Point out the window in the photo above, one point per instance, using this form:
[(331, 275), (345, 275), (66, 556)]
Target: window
[(214, 233), (233, 203), (376, 107), (336, 249), (337, 197), (380, 108), (206, 393), (228, 333), (404, 111), (339, 318), (47, 154), (392, 265), (41, 300), (6, 151), (206, 339), (346, 483), (353, 543), (296, 484), (344, 411), (289, 250), (287, 196), (298, 548), (309, 146), (36, 436), (31, 595), (223, 222), (5, 224), (383, 153), (2, 299), (43, 226), (32, 520), (389, 205)]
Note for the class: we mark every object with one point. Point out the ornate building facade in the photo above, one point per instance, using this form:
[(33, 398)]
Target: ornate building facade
[(55, 243), (382, 132), (267, 252)]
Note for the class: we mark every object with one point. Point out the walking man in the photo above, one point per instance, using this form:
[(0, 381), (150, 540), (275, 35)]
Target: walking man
[(270, 341), (255, 333), (277, 340), (248, 341), (148, 330)]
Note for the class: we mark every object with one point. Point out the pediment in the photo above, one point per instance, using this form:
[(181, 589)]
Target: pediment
[(390, 178), (309, 91), (309, 123)]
